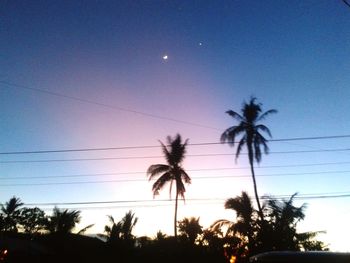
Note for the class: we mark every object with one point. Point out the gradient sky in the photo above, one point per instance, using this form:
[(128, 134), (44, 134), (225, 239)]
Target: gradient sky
[(292, 55)]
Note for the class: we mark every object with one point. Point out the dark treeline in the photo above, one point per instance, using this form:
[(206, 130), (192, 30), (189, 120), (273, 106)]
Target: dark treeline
[(28, 234)]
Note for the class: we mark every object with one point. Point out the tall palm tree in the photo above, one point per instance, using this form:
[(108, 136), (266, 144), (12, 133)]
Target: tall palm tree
[(171, 172), (250, 129)]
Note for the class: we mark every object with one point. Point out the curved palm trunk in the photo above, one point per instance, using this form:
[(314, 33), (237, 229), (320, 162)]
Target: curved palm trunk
[(175, 217), (256, 191), (251, 162)]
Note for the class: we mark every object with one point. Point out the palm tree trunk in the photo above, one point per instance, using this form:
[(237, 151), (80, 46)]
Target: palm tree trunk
[(251, 162), (256, 191), (175, 217)]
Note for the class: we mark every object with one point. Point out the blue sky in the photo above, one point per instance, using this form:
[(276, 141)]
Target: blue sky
[(292, 55)]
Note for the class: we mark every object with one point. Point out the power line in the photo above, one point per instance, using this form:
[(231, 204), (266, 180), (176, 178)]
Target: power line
[(143, 203), (158, 146), (118, 202), (188, 170), (158, 156), (193, 177), (56, 94)]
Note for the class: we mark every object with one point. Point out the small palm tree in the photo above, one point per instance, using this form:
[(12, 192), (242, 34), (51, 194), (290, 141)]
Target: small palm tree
[(11, 214), (190, 228), (112, 231), (171, 172), (284, 217), (246, 217), (128, 223), (122, 230), (250, 129), (63, 221)]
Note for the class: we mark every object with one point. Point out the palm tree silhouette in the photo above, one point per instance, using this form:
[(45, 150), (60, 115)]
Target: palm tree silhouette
[(121, 231), (250, 129), (11, 214), (171, 172), (63, 221), (127, 225), (190, 228), (246, 217), (284, 217)]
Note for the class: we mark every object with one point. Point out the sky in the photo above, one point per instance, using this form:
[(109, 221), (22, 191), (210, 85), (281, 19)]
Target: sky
[(100, 74)]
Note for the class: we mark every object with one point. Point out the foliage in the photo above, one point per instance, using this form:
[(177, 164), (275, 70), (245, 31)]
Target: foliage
[(32, 220), (10, 215), (277, 231), (121, 232), (62, 221), (160, 236), (190, 228)]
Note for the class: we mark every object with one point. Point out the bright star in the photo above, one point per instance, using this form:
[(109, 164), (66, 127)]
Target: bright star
[(165, 57)]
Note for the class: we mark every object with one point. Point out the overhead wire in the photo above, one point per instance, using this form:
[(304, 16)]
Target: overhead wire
[(216, 169), (158, 156), (88, 101), (161, 202), (193, 177), (158, 146)]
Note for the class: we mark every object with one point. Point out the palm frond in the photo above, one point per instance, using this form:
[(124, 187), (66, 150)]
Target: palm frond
[(111, 219), (185, 177), (161, 181), (157, 169), (230, 134), (83, 230), (180, 188), (264, 129), (235, 115), (266, 113), (241, 143), (166, 152)]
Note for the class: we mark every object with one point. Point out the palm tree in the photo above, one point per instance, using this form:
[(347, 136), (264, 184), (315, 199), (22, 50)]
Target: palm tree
[(245, 213), (242, 231), (171, 172), (284, 217), (250, 129), (63, 221), (113, 231), (127, 224), (11, 214), (123, 229), (190, 228)]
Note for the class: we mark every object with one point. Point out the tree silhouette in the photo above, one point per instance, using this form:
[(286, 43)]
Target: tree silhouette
[(112, 231), (160, 236), (171, 172), (122, 230), (190, 228), (62, 221), (250, 129), (127, 224), (11, 214), (282, 233), (32, 220), (245, 223)]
